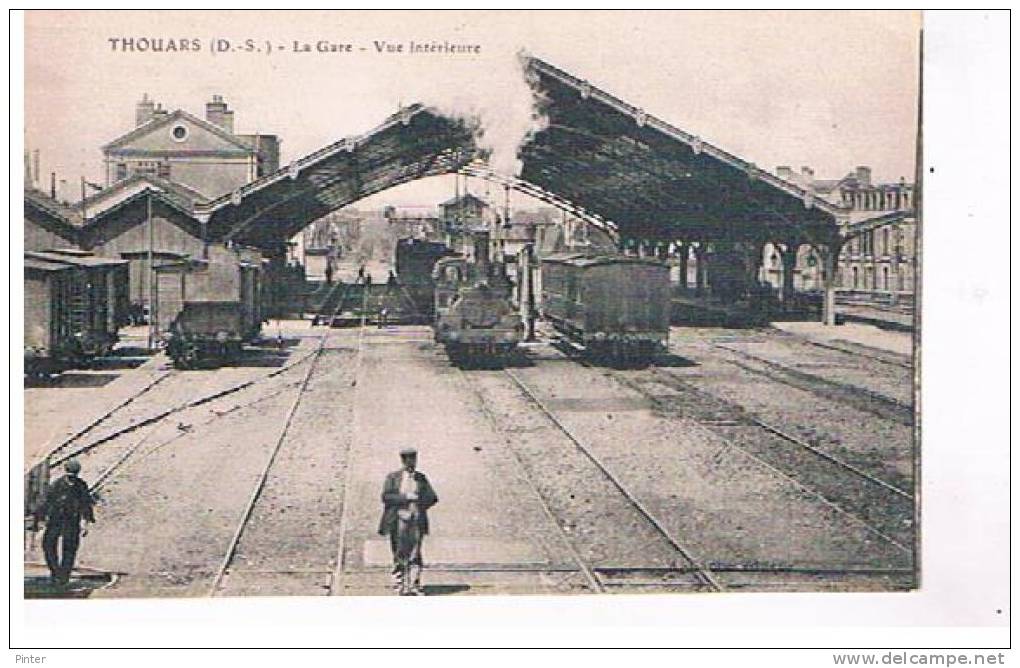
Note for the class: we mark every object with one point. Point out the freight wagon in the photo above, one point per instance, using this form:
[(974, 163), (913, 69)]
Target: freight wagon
[(74, 305), (207, 309)]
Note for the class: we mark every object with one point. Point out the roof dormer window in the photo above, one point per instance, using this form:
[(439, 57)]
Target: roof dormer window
[(179, 133)]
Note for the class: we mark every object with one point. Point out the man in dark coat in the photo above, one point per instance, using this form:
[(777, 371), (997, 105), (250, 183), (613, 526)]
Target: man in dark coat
[(407, 497), (68, 500)]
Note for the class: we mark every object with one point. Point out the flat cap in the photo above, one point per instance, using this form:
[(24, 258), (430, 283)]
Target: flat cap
[(408, 452)]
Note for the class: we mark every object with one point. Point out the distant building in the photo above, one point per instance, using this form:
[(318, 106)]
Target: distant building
[(467, 222), (413, 222), (881, 261), (205, 155), (464, 211), (328, 239)]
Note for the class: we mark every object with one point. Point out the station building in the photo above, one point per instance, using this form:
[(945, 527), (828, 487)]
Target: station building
[(156, 172), (203, 154)]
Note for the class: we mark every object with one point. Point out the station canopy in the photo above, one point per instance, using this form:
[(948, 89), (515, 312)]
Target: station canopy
[(598, 158)]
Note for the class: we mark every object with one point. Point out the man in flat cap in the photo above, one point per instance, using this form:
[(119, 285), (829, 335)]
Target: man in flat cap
[(407, 496), (68, 500)]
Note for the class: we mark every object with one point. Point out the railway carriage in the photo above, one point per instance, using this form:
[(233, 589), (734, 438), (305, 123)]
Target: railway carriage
[(208, 309), (615, 306), (75, 303)]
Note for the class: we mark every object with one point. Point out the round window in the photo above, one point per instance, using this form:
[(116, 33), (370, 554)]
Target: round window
[(179, 133)]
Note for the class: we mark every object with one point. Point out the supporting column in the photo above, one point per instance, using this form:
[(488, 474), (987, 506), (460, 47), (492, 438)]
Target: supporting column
[(757, 259), (788, 255), (527, 290), (683, 255), (830, 258), (700, 270)]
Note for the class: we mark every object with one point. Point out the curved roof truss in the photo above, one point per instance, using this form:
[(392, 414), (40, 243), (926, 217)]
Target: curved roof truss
[(598, 158)]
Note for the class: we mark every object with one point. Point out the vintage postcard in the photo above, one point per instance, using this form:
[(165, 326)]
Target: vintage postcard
[(447, 304)]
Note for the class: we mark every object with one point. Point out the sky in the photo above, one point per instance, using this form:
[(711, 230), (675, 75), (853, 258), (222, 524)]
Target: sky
[(831, 90)]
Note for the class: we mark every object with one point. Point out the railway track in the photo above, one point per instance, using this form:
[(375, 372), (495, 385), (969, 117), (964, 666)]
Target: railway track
[(831, 458), (235, 540), (100, 480), (791, 469), (864, 399), (857, 350), (680, 384), (700, 571), (225, 565), (592, 580), (336, 580), (68, 441), (58, 456)]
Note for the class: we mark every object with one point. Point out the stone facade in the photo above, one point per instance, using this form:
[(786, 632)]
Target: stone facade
[(204, 155), (880, 262)]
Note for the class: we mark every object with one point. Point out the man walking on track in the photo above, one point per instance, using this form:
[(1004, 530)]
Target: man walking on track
[(407, 496), (67, 501)]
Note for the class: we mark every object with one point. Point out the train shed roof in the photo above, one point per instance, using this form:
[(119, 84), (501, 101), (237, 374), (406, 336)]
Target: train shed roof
[(598, 157)]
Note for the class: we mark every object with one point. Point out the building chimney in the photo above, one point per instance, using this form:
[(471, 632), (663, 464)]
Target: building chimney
[(144, 110), (784, 172), (863, 175), (159, 113), (216, 112), (35, 168), (807, 175)]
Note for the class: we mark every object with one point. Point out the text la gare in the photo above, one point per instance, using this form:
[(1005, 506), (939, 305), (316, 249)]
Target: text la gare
[(322, 46)]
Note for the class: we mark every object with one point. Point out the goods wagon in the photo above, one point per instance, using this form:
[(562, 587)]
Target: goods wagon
[(74, 305), (615, 306), (208, 309)]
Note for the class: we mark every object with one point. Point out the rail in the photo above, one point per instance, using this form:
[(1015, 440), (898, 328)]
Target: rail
[(702, 572), (589, 572), (264, 475), (336, 580), (813, 492)]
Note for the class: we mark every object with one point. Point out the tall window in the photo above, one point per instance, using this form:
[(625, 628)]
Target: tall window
[(121, 171)]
